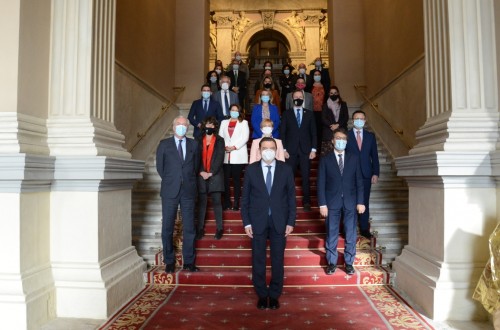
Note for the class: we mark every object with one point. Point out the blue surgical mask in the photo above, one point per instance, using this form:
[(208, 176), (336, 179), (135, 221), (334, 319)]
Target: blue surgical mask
[(236, 66), (205, 95), (340, 144), (238, 57), (286, 72), (359, 123), (317, 63), (213, 80), (265, 98), (317, 78), (180, 130), (234, 114)]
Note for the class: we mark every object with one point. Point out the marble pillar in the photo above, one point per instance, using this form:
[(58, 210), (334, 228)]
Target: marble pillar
[(224, 36), (312, 42), (452, 188), (95, 267)]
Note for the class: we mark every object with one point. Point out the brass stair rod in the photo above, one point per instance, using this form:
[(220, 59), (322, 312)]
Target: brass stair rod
[(163, 110)]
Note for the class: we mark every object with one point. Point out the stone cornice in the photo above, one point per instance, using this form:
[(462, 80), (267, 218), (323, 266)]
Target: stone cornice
[(26, 173)]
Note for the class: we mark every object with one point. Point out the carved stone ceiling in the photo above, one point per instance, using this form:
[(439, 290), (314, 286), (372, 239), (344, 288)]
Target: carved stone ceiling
[(237, 5)]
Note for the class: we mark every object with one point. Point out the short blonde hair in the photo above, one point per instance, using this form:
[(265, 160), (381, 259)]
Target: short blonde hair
[(266, 121)]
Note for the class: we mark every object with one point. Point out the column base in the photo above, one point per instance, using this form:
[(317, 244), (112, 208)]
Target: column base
[(442, 290)]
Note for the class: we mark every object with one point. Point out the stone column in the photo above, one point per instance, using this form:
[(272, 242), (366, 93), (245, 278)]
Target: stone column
[(311, 23), (191, 47), (94, 265), (224, 35), (452, 193), (27, 294)]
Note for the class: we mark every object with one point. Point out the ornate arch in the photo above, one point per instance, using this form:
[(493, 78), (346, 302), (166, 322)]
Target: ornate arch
[(277, 26)]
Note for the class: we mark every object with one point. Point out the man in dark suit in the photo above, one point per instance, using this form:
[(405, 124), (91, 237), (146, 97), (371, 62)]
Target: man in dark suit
[(177, 163), (300, 84), (203, 108), (298, 134), (225, 96), (325, 74), (268, 212), (238, 81), (363, 144), (308, 80), (340, 190)]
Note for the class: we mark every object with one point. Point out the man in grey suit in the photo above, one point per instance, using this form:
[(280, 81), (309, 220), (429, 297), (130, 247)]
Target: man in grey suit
[(300, 84), (177, 162), (268, 213), (225, 97), (340, 190)]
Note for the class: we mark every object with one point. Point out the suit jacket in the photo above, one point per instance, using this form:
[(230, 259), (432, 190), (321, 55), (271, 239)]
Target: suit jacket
[(216, 181), (368, 155), (256, 201), (336, 190), (328, 118), (298, 139), (197, 113), (241, 82), (308, 101), (233, 99), (175, 173), (256, 119), (325, 79), (239, 140)]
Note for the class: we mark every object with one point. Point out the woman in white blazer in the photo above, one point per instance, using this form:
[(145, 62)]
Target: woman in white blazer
[(235, 133)]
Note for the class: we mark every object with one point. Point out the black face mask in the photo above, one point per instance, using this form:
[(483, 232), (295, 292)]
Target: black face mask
[(298, 102), (334, 97), (209, 130), (268, 86)]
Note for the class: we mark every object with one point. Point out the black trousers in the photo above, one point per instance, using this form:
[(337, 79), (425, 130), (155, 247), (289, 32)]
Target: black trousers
[(232, 171), (303, 161), (202, 209), (277, 245)]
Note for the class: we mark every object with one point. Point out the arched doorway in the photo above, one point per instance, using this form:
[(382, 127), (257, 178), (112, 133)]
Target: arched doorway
[(268, 45)]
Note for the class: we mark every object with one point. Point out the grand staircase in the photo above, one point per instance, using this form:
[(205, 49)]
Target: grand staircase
[(228, 261)]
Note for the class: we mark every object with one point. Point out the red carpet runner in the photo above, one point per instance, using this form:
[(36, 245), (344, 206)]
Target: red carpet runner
[(202, 307)]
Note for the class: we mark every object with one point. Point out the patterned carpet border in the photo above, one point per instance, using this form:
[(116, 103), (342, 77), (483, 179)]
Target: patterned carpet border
[(140, 312)]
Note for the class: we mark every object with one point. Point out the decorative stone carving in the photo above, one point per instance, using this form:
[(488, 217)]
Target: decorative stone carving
[(312, 18), (213, 34), (239, 25), (323, 34), (223, 20), (267, 19), (296, 22)]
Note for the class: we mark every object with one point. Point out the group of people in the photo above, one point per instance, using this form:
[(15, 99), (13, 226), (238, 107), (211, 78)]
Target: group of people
[(284, 138)]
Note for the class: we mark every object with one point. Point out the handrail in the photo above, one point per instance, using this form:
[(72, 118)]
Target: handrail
[(164, 108), (374, 106)]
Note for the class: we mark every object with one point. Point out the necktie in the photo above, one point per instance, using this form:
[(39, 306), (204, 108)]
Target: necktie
[(341, 164), (358, 139), (205, 106), (298, 117), (235, 78), (226, 101), (269, 179), (179, 149)]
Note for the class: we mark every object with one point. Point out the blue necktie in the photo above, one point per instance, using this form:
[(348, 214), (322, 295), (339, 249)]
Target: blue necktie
[(226, 101), (205, 107), (341, 164), (298, 117), (179, 149), (269, 179)]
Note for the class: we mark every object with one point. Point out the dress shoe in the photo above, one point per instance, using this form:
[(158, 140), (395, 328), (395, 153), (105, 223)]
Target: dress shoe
[(200, 233), (307, 207), (236, 207), (191, 268), (274, 303), (227, 207), (218, 234), (330, 269), (170, 268), (262, 303), (349, 269), (366, 233)]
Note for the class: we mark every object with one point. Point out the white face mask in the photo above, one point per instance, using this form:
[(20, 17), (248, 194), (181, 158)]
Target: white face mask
[(302, 71), (225, 86), (268, 155), (267, 130)]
